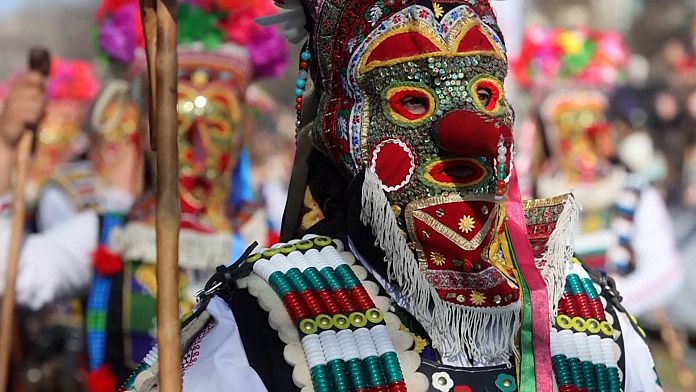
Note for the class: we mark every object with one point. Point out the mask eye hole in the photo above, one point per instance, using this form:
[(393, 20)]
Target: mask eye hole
[(409, 105), (415, 105), (488, 95), (484, 95)]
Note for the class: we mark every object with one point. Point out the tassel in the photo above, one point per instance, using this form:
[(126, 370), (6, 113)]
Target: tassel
[(559, 252)]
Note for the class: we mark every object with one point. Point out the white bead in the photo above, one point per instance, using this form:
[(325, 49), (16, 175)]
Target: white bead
[(502, 150), (381, 339), (366, 346), (556, 348), (595, 343), (581, 345), (567, 342), (334, 258), (608, 352), (349, 347), (329, 343), (313, 351)]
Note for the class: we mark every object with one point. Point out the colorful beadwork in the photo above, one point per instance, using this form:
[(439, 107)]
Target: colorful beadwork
[(343, 333), (301, 82), (98, 300), (582, 339)]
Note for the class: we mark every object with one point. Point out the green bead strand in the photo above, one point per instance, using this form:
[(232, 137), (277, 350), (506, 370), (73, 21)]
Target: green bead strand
[(339, 374), (392, 368), (299, 282), (331, 278), (590, 289), (602, 378), (576, 371), (374, 371), (280, 283), (347, 276), (574, 284), (562, 370), (314, 278), (320, 379), (590, 376), (614, 379), (357, 374)]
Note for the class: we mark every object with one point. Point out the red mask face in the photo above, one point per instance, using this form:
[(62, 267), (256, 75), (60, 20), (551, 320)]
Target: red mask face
[(209, 143)]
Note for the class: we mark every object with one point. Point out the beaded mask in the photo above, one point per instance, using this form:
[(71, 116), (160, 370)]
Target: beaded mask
[(209, 142), (412, 93), (578, 133), (576, 68), (71, 88)]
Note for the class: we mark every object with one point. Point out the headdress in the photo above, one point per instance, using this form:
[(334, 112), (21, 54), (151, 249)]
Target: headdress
[(340, 31), (222, 30), (570, 56)]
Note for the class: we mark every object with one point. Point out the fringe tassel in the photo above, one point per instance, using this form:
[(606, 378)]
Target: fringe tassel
[(486, 334), (559, 252)]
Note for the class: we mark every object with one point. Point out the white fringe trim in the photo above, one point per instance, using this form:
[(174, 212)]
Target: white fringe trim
[(559, 252), (199, 251), (487, 334)]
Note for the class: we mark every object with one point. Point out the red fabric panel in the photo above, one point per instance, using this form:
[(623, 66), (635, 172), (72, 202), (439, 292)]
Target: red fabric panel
[(402, 45), (475, 40)]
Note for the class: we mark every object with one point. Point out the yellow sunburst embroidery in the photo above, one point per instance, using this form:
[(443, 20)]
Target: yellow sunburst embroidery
[(437, 8), (419, 343), (477, 298), (437, 259), (466, 224)]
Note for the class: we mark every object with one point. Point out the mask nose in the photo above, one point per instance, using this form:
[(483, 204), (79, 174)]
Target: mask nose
[(466, 133)]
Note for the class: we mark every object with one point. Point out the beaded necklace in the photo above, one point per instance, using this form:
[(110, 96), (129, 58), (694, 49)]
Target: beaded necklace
[(106, 265), (583, 342), (345, 339)]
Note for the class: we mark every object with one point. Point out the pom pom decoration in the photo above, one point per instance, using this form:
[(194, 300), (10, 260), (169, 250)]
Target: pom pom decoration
[(211, 24), (72, 79), (106, 263), (582, 56)]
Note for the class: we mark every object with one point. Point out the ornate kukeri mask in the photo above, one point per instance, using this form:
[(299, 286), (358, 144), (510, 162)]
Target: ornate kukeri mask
[(578, 133), (412, 94), (209, 141)]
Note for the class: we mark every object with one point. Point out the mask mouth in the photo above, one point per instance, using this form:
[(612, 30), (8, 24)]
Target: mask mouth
[(457, 173), (197, 188)]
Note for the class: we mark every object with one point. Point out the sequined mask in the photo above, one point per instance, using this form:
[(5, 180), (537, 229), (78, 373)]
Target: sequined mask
[(56, 138), (209, 143), (578, 133), (425, 111)]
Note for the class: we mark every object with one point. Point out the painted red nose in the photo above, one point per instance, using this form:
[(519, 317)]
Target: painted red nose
[(466, 133)]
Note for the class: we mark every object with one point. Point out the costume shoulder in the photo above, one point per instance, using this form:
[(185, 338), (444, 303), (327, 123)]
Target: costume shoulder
[(315, 321), (79, 181)]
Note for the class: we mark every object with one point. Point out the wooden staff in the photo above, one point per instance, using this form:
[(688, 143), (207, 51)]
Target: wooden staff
[(39, 60), (159, 23)]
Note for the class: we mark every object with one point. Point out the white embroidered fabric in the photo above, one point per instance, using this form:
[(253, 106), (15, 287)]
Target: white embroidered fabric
[(219, 362)]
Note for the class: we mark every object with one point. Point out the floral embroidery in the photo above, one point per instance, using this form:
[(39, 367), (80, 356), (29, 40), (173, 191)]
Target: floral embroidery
[(437, 259), (477, 298), (466, 224)]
